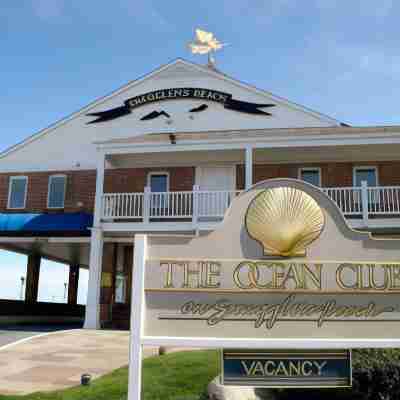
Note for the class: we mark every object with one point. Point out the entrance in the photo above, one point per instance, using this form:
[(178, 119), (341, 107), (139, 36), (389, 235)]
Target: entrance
[(216, 178)]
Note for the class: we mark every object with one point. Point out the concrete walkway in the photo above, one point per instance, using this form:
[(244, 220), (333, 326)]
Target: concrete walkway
[(57, 360)]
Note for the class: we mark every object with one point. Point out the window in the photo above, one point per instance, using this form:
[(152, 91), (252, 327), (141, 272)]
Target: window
[(368, 174), (310, 175), (17, 192), (56, 193), (158, 181)]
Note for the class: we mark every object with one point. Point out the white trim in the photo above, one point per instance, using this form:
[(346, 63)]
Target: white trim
[(11, 179), (161, 172), (248, 343), (310, 169), (267, 142), (364, 168), (48, 190)]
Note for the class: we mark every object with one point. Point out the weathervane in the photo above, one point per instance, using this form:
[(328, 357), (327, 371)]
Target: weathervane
[(206, 43)]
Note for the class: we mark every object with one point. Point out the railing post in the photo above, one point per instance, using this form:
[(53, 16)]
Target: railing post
[(364, 202), (146, 204), (195, 208)]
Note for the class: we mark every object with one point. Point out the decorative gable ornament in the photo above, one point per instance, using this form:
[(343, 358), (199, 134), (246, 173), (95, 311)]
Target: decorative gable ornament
[(206, 43)]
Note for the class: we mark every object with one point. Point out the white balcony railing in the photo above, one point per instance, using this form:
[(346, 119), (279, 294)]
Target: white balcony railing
[(355, 202), (167, 205)]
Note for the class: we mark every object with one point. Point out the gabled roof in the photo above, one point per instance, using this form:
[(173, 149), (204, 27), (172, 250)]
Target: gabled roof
[(176, 62)]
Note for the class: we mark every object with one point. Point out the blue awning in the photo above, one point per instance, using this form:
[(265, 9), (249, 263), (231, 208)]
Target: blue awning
[(60, 224)]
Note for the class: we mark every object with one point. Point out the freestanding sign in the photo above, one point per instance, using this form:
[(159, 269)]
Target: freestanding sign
[(283, 271), (283, 368)]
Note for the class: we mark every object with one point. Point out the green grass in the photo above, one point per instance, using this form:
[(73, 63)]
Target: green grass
[(174, 376)]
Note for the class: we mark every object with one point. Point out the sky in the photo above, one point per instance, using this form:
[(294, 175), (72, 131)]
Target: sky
[(338, 57)]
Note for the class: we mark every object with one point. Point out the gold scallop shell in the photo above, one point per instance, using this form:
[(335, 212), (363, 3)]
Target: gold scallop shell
[(284, 220)]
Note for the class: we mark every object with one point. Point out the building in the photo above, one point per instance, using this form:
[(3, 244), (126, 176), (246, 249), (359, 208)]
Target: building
[(168, 153)]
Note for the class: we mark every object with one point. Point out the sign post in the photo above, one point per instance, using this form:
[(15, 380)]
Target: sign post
[(137, 318)]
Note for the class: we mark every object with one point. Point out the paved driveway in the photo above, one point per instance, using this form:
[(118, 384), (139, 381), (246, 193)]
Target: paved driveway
[(57, 360), (12, 334)]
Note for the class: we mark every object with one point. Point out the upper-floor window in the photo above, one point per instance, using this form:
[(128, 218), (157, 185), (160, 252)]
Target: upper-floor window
[(56, 192), (17, 192), (310, 175), (367, 174), (158, 181)]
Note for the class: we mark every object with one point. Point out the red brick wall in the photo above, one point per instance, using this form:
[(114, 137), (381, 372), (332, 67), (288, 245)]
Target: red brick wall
[(81, 187), (134, 180), (332, 174)]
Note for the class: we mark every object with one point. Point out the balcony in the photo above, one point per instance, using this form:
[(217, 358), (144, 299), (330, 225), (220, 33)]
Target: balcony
[(364, 207)]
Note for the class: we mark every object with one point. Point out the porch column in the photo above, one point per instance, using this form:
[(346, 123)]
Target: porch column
[(92, 317), (32, 278), (73, 280), (98, 201), (248, 168)]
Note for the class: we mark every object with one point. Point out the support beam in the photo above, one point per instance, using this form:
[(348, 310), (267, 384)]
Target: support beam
[(248, 168), (73, 280), (92, 317), (32, 278)]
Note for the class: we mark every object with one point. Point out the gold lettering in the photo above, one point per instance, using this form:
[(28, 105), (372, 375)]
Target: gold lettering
[(213, 271), (339, 276), (188, 273), (394, 277), (277, 275), (168, 283), (236, 275), (315, 277), (372, 281)]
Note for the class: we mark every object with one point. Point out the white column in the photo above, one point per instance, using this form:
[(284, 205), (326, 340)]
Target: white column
[(137, 318), (146, 204), (364, 202), (92, 317), (195, 207), (248, 168), (98, 202)]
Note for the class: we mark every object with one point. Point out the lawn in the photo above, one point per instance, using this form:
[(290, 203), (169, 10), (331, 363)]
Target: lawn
[(174, 376)]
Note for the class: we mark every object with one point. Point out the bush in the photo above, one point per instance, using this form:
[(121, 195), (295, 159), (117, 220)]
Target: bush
[(376, 376)]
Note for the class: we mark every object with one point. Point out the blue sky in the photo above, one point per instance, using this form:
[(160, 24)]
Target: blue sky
[(339, 57)]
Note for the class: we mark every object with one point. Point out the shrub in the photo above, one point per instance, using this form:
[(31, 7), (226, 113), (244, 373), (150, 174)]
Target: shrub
[(376, 376)]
